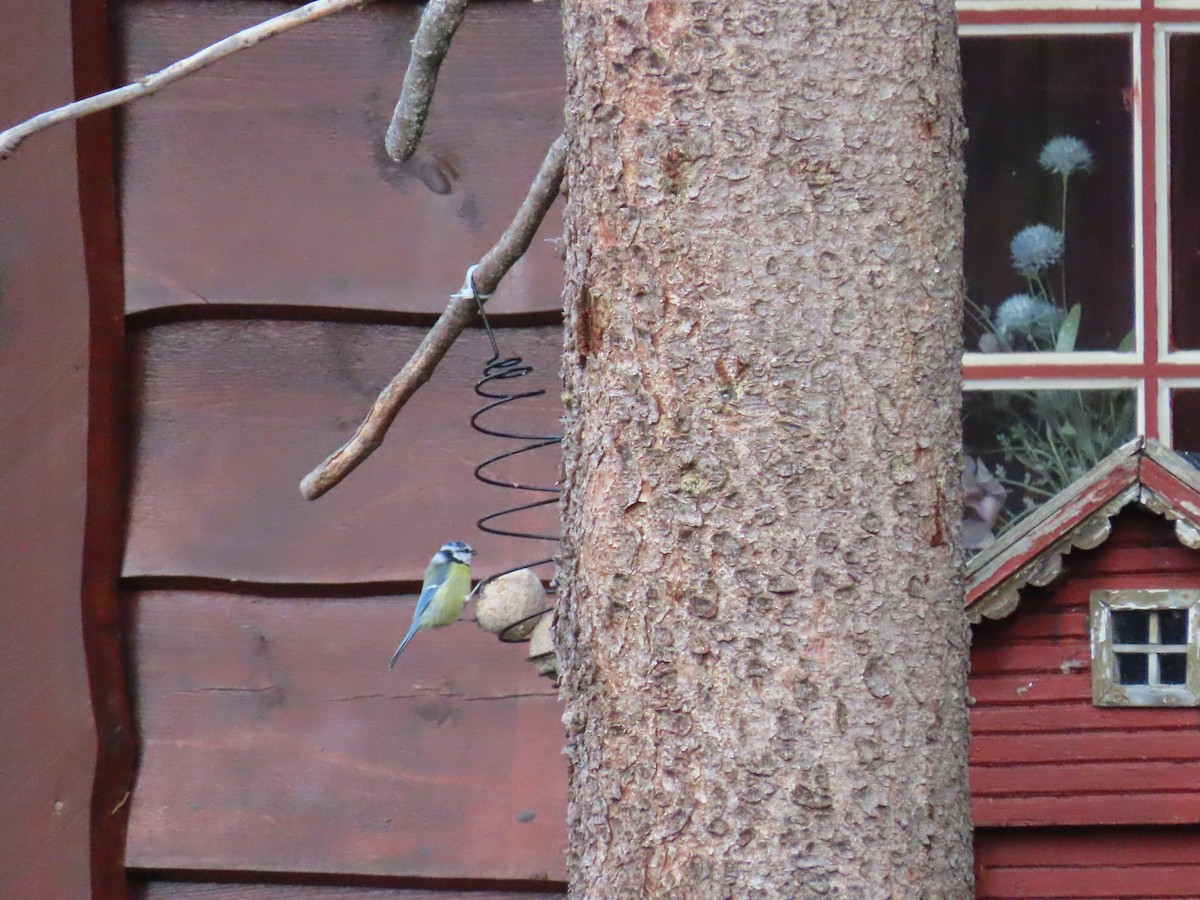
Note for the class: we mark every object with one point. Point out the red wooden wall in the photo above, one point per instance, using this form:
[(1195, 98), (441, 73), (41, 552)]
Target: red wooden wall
[(278, 273), (1087, 864), (229, 414), (262, 181), (48, 754), (1041, 753), (67, 755)]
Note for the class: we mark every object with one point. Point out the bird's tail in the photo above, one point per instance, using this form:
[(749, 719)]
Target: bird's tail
[(404, 643)]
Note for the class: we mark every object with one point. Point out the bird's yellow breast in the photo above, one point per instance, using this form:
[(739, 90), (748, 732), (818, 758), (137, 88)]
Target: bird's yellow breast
[(448, 601)]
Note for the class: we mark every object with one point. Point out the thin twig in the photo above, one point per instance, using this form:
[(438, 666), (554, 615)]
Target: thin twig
[(491, 269), (519, 234), (439, 21), (143, 87)]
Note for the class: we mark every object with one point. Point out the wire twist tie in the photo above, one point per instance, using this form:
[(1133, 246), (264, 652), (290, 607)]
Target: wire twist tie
[(468, 291)]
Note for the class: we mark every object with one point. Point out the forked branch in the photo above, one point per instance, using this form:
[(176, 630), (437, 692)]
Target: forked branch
[(143, 87), (439, 21), (487, 275)]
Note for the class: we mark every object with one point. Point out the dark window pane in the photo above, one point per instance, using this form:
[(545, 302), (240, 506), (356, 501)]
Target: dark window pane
[(1185, 191), (1172, 668), (1173, 626), (1185, 421), (1132, 668), (1031, 445), (1020, 94), (1131, 627)]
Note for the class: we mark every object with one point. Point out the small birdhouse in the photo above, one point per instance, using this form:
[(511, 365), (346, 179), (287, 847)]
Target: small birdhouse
[(1085, 688)]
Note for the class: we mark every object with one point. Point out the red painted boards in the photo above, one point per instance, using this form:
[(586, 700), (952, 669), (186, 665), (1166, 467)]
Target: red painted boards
[(48, 744), (262, 180), (1041, 753), (276, 744), (1082, 864), (230, 415), (190, 890), (275, 739)]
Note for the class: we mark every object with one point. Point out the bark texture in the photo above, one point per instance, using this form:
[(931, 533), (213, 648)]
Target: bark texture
[(761, 635)]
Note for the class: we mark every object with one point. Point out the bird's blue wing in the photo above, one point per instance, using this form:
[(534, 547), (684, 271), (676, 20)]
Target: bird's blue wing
[(430, 588)]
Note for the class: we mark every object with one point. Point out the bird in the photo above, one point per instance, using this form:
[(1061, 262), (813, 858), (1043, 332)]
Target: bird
[(447, 581)]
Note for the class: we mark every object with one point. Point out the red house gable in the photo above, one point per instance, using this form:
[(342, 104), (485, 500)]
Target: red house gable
[(1141, 471)]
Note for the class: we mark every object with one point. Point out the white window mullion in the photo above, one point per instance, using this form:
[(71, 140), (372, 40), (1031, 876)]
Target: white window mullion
[(1152, 673)]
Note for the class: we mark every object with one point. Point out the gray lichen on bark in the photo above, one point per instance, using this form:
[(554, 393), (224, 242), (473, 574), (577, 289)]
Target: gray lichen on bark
[(761, 635)]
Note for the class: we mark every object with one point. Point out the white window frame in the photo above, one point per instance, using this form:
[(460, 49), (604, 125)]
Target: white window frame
[(1162, 165), (1025, 385), (1106, 689), (1115, 359)]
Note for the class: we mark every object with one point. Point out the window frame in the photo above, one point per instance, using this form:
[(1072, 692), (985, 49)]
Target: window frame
[(1153, 369), (1106, 690), (1152, 364), (1104, 364), (1175, 359)]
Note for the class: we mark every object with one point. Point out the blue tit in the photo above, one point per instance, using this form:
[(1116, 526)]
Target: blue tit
[(447, 581)]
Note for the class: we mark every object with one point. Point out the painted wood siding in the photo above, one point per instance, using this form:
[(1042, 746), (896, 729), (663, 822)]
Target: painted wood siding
[(230, 414), (48, 751), (1041, 753), (279, 271), (277, 740), (1087, 864), (192, 890), (262, 181)]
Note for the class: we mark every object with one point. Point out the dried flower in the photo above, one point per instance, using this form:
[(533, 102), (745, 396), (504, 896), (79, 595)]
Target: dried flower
[(1036, 248), (983, 497), (1027, 315), (1065, 155)]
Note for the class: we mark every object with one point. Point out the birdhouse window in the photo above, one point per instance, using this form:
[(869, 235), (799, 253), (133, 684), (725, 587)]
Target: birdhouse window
[(1145, 648)]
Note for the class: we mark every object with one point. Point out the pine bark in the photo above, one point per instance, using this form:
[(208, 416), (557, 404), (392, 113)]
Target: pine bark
[(761, 633)]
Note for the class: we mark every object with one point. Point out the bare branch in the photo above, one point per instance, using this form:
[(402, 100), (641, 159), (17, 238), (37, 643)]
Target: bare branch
[(491, 269), (143, 87), (519, 233), (439, 21)]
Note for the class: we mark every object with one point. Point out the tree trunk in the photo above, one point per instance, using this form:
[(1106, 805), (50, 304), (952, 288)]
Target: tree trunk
[(761, 633)]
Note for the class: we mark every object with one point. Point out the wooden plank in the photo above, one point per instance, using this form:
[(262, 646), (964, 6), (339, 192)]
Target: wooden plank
[(1091, 883), (1038, 619), (1087, 809), (1140, 527), (1047, 847), (276, 740), (231, 414), (48, 750), (1141, 776), (1062, 610), (1064, 654), (1027, 691), (104, 634), (263, 180), (199, 890), (1130, 862), (1065, 717), (1135, 561), (1142, 744)]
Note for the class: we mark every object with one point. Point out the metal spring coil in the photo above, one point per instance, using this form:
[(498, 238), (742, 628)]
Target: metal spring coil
[(495, 371)]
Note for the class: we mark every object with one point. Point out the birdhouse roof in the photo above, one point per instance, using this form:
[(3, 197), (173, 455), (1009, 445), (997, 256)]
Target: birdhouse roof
[(1142, 471)]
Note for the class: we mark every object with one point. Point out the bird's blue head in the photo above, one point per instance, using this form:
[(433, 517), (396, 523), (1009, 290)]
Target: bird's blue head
[(457, 551)]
